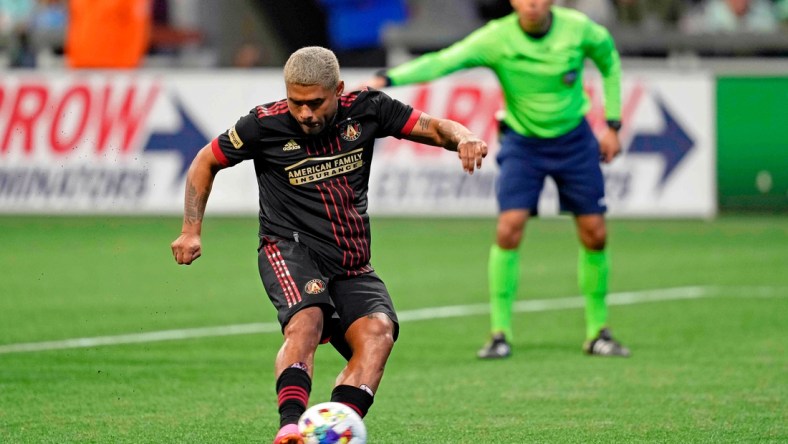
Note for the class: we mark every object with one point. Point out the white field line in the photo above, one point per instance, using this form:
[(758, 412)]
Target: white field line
[(667, 294), (626, 298)]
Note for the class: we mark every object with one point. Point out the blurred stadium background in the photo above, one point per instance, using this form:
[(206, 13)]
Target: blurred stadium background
[(103, 103)]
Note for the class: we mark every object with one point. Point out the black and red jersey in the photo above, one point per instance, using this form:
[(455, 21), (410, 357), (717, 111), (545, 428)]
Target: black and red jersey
[(313, 188)]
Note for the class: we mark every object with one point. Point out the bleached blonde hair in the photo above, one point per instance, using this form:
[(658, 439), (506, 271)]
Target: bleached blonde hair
[(312, 65)]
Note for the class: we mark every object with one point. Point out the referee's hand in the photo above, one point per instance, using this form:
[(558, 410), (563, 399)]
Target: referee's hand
[(609, 145)]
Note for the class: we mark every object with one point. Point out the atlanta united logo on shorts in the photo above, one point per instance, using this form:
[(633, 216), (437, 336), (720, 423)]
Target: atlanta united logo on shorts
[(350, 130), (315, 286)]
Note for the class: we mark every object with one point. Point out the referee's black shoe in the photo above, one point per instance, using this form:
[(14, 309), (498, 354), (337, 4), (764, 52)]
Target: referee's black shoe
[(497, 348), (605, 345)]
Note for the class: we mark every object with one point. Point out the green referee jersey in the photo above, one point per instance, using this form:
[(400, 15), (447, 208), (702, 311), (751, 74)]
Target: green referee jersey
[(541, 78)]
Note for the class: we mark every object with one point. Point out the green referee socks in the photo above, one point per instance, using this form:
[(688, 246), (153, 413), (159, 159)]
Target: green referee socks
[(592, 272), (504, 272)]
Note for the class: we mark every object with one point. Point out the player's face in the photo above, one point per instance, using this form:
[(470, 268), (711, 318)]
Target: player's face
[(533, 13), (313, 106)]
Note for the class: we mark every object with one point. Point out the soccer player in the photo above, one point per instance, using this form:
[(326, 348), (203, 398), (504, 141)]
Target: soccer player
[(312, 154), (538, 52)]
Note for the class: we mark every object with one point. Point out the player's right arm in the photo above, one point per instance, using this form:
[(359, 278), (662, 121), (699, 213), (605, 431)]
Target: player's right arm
[(230, 148), (199, 181)]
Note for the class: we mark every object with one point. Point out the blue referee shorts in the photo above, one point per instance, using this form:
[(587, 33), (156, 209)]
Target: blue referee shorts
[(572, 160)]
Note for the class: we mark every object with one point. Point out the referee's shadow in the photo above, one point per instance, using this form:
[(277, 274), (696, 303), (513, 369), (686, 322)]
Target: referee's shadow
[(543, 349)]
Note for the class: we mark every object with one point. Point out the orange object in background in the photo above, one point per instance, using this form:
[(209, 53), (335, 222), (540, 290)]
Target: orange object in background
[(107, 33)]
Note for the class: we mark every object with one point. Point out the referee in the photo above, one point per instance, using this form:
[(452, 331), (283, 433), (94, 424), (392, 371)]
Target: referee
[(538, 53)]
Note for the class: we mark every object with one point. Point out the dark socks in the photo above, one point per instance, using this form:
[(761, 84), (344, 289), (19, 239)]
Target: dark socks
[(354, 397), (292, 388)]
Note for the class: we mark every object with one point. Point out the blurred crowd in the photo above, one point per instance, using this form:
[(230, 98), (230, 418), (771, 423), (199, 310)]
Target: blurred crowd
[(29, 24), (91, 33), (121, 33), (689, 16)]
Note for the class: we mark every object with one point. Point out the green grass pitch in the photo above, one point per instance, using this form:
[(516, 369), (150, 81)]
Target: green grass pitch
[(710, 360)]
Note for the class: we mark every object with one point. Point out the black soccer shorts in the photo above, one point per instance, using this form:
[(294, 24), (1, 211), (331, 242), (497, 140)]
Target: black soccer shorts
[(295, 278)]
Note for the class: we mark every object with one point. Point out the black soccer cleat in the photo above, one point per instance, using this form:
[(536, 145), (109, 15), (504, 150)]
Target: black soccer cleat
[(497, 348), (605, 345)]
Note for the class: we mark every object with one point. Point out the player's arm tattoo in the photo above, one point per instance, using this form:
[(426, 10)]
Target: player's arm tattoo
[(194, 206), (438, 132), (424, 121)]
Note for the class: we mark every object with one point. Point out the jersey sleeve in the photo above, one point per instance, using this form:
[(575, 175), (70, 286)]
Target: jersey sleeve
[(601, 49), (239, 142), (394, 117), (472, 51)]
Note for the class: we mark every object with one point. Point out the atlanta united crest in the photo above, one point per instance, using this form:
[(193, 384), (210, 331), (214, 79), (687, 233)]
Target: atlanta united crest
[(315, 286), (350, 130)]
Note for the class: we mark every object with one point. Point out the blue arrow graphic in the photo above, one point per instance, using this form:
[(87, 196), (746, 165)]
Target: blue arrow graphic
[(672, 143), (187, 140)]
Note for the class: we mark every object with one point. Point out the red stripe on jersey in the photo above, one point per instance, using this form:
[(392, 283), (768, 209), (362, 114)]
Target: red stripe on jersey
[(217, 152), (330, 144), (328, 214), (329, 188), (347, 202), (273, 110), (288, 276), (278, 107), (323, 146), (347, 100), (360, 221), (362, 270), (414, 117)]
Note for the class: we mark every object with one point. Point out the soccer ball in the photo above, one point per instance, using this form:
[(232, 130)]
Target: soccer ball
[(330, 423)]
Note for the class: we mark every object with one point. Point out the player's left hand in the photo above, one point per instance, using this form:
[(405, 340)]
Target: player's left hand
[(471, 152), (609, 145)]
